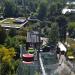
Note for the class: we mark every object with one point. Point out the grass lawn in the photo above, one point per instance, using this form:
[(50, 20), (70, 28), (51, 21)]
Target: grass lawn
[(71, 50), (71, 42), (71, 25)]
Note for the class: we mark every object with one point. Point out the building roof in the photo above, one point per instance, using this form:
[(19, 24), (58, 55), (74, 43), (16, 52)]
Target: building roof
[(70, 8), (20, 20), (65, 10), (68, 3), (33, 36), (10, 23)]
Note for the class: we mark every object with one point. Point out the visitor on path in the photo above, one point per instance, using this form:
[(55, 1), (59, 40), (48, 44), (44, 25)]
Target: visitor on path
[(62, 57), (58, 52)]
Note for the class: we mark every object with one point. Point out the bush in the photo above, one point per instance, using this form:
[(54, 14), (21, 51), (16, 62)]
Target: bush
[(69, 52)]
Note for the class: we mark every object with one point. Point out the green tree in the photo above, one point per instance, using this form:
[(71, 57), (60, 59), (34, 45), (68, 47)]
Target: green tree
[(10, 9), (12, 42), (53, 34), (2, 35), (71, 29), (54, 10), (12, 32), (7, 63), (23, 31), (62, 23), (6, 54), (42, 11)]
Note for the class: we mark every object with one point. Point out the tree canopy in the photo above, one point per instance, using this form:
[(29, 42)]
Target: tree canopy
[(53, 34), (6, 54), (2, 35)]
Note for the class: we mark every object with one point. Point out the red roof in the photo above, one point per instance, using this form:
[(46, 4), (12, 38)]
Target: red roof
[(28, 55), (27, 62)]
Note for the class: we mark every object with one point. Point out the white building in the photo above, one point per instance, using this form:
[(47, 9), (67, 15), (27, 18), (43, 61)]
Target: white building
[(70, 8)]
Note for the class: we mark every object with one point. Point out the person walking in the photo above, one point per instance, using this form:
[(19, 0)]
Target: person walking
[(62, 58), (58, 52)]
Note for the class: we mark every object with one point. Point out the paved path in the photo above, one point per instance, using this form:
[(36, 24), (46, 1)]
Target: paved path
[(64, 67)]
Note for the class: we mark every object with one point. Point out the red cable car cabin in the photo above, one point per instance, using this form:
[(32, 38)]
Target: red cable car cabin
[(28, 58)]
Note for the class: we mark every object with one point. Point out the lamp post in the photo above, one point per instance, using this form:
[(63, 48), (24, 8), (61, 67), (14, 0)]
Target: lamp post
[(20, 51), (67, 34), (7, 32)]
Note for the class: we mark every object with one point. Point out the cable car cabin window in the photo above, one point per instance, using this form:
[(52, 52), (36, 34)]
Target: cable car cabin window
[(28, 59)]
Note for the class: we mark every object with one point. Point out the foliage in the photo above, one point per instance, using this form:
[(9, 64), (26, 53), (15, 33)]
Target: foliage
[(71, 29), (71, 25), (2, 35), (36, 6), (36, 73), (17, 37), (9, 69), (70, 52), (12, 42), (23, 31), (20, 39), (71, 16), (42, 11), (10, 6), (53, 34), (54, 9), (12, 32), (36, 25), (62, 23), (47, 11), (6, 54), (8, 64), (71, 42)]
